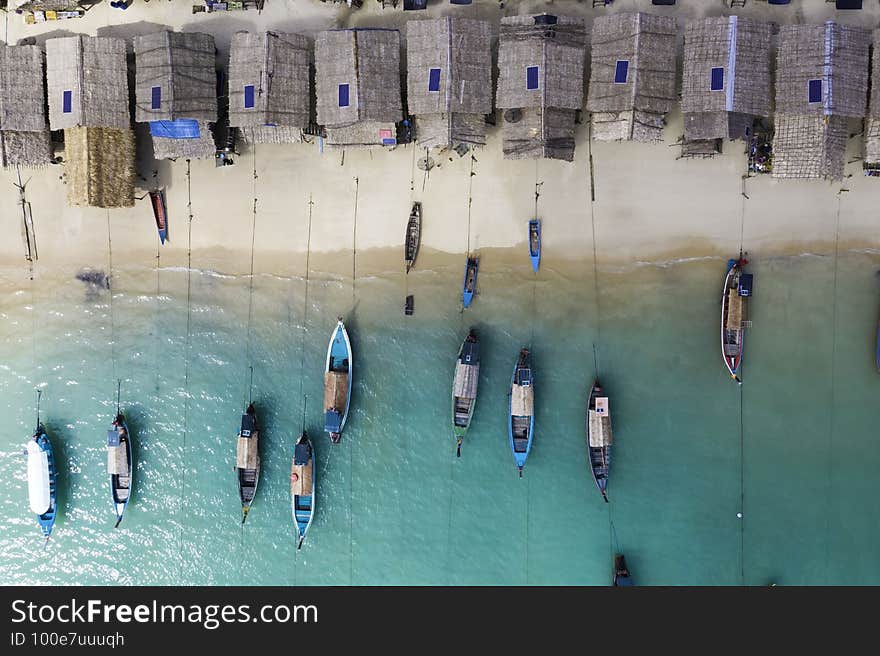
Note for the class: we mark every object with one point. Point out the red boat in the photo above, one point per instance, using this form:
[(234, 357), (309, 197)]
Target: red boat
[(160, 212)]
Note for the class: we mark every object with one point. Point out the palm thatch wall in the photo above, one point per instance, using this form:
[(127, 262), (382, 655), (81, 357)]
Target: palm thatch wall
[(24, 131), (368, 62), (275, 65), (872, 122), (636, 107), (540, 122), (740, 48), (460, 51), (91, 73), (99, 166)]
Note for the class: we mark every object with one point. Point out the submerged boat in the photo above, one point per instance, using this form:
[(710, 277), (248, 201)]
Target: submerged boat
[(247, 460), (599, 437), (302, 486), (160, 213), (119, 465), (521, 423), (42, 475), (337, 382), (622, 577), (413, 236), (535, 243), (469, 286), (464, 386), (734, 305)]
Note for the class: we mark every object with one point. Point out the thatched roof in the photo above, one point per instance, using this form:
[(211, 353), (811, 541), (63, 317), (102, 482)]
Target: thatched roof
[(632, 76), (829, 62), (175, 77), (87, 81), (22, 89), (726, 80), (809, 146), (99, 167), (357, 83), (872, 122), (25, 149), (201, 147), (541, 83), (269, 85)]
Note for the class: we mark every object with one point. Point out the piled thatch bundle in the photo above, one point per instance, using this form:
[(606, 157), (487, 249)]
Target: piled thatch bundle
[(821, 80), (357, 86), (100, 167), (540, 84), (24, 132), (269, 86), (176, 85), (449, 80), (87, 81), (872, 122), (632, 78), (726, 77)]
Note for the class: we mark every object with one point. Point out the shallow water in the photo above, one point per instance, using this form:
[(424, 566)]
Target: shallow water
[(793, 448)]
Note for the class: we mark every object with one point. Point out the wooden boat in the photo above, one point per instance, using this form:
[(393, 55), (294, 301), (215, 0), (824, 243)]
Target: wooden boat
[(469, 286), (521, 422), (119, 465), (247, 460), (535, 243), (409, 305), (734, 305), (42, 475), (464, 386), (413, 236), (302, 486), (622, 577), (160, 213), (337, 382), (599, 437)]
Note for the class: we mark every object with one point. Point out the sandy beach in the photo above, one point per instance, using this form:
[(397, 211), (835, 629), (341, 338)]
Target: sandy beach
[(649, 206)]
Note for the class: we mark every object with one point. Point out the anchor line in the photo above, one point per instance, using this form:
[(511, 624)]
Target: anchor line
[(110, 289), (742, 492), (188, 340), (470, 202), (354, 242), (302, 349), (250, 318), (831, 391)]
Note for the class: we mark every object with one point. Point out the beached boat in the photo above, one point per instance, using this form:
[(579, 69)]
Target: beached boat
[(119, 465), (599, 437), (622, 577), (337, 382), (302, 486), (469, 286), (42, 475), (734, 305), (160, 213), (464, 386), (521, 422), (247, 460), (413, 236), (535, 243)]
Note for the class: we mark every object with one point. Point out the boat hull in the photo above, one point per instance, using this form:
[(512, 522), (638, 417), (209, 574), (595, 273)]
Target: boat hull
[(413, 236), (339, 361), (464, 400), (160, 213), (599, 456), (119, 495), (469, 285), (40, 452), (521, 421), (733, 337), (302, 506), (535, 244)]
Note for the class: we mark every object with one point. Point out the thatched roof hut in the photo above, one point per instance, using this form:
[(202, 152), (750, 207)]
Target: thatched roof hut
[(24, 131), (726, 81), (632, 76), (449, 80), (357, 86), (821, 80), (87, 80), (540, 84), (99, 167), (176, 92), (872, 122), (269, 95)]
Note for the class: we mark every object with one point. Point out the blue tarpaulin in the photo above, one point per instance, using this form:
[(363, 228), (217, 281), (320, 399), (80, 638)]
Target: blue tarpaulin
[(182, 128), (332, 421)]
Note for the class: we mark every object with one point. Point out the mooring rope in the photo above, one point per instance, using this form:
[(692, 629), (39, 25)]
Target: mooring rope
[(187, 341), (354, 243), (250, 355), (110, 289)]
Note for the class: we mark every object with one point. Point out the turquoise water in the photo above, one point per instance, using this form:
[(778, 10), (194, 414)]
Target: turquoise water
[(793, 448)]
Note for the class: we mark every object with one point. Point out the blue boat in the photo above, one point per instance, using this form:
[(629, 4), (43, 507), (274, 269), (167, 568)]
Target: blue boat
[(521, 423), (599, 437), (622, 577), (160, 213), (469, 287), (735, 294), (119, 465), (302, 486), (535, 243), (42, 475), (337, 382)]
